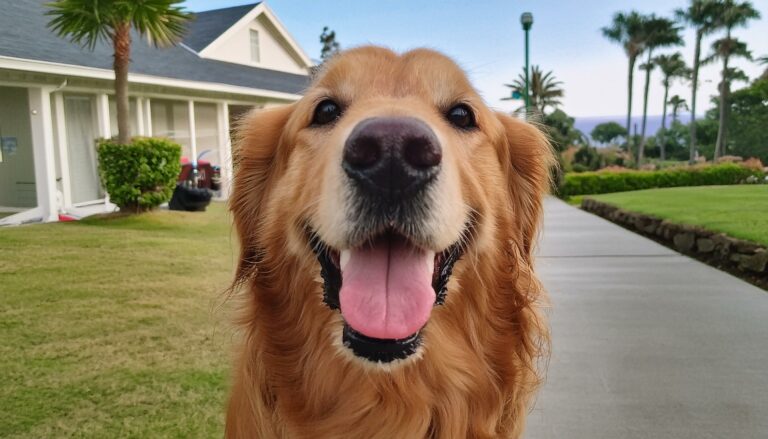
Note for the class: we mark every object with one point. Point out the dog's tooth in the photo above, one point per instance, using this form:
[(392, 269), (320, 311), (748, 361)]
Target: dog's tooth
[(431, 261), (344, 258)]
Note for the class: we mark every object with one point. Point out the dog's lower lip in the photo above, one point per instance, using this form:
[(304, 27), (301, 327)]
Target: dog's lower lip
[(380, 350)]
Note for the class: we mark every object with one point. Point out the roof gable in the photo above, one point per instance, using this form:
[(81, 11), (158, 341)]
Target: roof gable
[(259, 10)]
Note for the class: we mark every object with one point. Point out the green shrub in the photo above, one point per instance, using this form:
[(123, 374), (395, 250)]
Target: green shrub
[(141, 175), (606, 182)]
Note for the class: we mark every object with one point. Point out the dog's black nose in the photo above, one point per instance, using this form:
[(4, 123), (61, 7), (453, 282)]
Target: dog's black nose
[(392, 156)]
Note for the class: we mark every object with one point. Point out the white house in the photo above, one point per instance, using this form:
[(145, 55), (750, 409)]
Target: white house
[(56, 98)]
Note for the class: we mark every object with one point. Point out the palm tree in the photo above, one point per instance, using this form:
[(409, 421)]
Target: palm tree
[(733, 14), (677, 103), (658, 32), (86, 22), (764, 61), (703, 16), (626, 29), (545, 90), (672, 66)]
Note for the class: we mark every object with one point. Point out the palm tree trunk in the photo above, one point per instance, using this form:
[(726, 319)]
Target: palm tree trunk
[(724, 92), (663, 144), (694, 87), (629, 102), (641, 147), (122, 43)]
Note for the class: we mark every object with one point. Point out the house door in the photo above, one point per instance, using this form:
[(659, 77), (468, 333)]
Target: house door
[(79, 114), (17, 164)]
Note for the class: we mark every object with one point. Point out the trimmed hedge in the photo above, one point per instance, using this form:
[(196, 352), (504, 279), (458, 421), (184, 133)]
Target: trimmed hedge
[(605, 182), (141, 175)]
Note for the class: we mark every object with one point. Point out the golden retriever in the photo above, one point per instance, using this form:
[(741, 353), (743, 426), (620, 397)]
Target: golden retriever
[(387, 221)]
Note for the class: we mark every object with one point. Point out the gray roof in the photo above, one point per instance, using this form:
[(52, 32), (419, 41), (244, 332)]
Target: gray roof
[(208, 25), (24, 34)]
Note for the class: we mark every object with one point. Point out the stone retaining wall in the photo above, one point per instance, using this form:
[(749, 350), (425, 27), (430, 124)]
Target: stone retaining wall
[(717, 248)]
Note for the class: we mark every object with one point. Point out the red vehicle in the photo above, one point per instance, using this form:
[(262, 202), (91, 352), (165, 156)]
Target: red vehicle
[(196, 185)]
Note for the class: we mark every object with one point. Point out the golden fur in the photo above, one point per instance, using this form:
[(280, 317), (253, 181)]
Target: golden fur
[(483, 350)]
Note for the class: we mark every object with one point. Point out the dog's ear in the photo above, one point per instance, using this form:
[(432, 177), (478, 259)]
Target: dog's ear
[(258, 137), (527, 158)]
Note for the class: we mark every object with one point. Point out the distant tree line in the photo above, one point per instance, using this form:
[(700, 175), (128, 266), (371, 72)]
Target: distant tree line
[(735, 124), (641, 35)]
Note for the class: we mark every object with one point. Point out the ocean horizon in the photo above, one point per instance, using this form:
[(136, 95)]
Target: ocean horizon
[(653, 122)]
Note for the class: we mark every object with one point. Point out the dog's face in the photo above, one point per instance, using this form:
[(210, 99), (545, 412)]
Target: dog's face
[(388, 171)]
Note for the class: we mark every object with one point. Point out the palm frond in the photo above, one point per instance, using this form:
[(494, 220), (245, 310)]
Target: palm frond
[(728, 47), (84, 22), (161, 22)]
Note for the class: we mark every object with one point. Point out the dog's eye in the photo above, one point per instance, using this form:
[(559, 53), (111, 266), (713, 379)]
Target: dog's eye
[(461, 116), (326, 112)]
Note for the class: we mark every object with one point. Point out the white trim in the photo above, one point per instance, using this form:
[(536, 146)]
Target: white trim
[(7, 62), (188, 49), (61, 137), (42, 145), (148, 115), (33, 215), (25, 84), (140, 116), (260, 100), (103, 124), (92, 202), (246, 20), (225, 148), (192, 130)]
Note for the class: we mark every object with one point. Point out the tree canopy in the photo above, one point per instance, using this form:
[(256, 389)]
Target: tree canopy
[(545, 90), (330, 45), (562, 131), (749, 108), (608, 132), (85, 22)]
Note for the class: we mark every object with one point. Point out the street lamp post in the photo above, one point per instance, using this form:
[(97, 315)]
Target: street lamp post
[(527, 21)]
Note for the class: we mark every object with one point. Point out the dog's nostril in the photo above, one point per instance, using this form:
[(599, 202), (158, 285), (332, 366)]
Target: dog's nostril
[(422, 152), (363, 152)]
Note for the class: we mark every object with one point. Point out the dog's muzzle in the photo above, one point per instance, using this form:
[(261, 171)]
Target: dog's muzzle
[(387, 282)]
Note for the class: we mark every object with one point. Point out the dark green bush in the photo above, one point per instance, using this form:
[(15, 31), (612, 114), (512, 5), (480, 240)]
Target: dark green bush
[(141, 175), (605, 182)]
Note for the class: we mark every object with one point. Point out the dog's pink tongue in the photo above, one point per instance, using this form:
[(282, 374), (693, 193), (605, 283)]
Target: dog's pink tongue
[(387, 290)]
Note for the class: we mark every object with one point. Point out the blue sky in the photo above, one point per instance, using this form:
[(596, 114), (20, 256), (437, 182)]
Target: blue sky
[(486, 39)]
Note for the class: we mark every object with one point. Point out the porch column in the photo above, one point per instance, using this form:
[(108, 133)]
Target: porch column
[(104, 128), (42, 147), (192, 133), (140, 117), (102, 116), (148, 115), (61, 139), (225, 148)]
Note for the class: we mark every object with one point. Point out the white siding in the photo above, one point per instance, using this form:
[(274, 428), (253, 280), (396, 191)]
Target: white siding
[(274, 52)]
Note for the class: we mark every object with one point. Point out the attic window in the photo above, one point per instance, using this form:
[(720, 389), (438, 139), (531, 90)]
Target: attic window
[(255, 46)]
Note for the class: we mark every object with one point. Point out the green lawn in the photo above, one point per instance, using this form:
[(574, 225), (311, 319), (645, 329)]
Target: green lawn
[(739, 211), (116, 327)]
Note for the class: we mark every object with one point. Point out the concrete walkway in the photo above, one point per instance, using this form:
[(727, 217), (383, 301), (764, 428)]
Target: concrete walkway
[(647, 343)]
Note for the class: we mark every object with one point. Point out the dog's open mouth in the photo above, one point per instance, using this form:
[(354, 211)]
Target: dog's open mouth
[(385, 290)]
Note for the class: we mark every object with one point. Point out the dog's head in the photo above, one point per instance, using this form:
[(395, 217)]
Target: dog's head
[(386, 173)]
